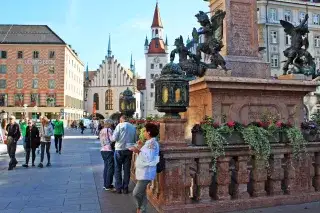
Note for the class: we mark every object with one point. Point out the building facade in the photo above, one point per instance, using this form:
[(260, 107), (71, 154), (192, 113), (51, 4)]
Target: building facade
[(272, 35), (104, 88), (156, 53), (39, 73)]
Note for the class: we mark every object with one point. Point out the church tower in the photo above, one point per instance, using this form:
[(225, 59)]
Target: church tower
[(156, 53)]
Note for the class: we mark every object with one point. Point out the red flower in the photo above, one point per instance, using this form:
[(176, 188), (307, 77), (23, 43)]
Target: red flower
[(231, 124), (289, 125), (260, 123), (279, 124)]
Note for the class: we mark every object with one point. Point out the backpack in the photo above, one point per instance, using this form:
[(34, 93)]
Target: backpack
[(161, 164)]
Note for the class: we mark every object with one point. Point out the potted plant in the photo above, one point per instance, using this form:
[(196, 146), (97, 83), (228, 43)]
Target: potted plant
[(283, 127), (198, 131), (309, 130), (232, 132), (297, 141)]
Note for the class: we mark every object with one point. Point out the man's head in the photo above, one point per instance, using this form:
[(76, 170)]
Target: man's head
[(58, 118), (12, 119), (123, 118), (30, 123)]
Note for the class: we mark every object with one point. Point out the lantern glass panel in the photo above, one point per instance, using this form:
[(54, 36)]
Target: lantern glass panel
[(123, 107), (165, 94), (178, 95)]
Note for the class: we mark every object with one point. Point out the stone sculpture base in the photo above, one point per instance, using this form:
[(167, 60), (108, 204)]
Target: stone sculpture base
[(295, 77), (245, 99), (218, 72)]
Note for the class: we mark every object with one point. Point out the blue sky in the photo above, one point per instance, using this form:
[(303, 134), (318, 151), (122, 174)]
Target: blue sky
[(86, 24)]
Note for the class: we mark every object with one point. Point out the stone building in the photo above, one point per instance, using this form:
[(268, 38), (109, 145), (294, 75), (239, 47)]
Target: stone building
[(156, 53), (272, 35), (39, 73), (104, 86)]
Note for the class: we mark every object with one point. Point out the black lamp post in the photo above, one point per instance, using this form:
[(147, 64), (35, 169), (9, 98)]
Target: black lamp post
[(172, 91), (127, 103)]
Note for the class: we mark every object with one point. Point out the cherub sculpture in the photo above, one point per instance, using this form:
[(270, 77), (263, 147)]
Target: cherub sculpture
[(297, 53), (191, 66), (212, 29)]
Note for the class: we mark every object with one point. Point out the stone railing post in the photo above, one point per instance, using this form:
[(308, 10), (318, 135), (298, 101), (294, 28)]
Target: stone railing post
[(275, 175), (204, 178), (223, 178), (259, 177), (242, 178), (172, 132), (317, 172), (289, 175)]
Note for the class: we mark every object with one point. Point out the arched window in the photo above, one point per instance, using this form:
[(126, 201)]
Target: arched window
[(109, 99), (96, 100), (157, 32)]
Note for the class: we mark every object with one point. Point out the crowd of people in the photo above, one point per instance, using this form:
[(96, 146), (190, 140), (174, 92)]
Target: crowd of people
[(118, 143), (117, 147), (33, 138)]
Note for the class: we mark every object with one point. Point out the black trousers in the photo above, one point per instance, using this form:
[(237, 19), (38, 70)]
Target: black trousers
[(47, 146), (58, 142), (11, 149), (28, 154)]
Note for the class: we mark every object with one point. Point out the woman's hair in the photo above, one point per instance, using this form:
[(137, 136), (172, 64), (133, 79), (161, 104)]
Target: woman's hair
[(152, 129), (44, 120), (108, 123), (3, 123)]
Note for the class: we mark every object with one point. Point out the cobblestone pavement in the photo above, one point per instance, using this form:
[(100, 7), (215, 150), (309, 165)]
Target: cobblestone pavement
[(74, 184)]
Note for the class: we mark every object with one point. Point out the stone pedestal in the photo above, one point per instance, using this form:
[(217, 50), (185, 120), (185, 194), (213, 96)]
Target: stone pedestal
[(172, 132), (240, 39), (245, 99)]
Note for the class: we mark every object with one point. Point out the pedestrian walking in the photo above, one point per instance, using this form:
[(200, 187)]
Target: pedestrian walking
[(146, 165), (32, 140), (23, 127), (13, 136), (107, 155), (92, 127), (58, 134), (125, 137), (46, 132), (4, 132), (81, 125)]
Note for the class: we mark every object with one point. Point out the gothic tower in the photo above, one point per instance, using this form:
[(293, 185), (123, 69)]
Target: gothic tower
[(156, 53)]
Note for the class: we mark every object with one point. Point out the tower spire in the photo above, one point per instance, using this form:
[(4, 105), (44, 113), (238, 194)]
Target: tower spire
[(109, 47), (131, 64), (87, 72), (156, 23)]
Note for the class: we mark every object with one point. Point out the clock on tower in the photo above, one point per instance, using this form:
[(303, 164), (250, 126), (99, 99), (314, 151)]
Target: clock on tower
[(156, 60)]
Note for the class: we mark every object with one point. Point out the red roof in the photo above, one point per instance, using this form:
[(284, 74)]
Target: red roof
[(157, 46), (141, 84), (156, 18)]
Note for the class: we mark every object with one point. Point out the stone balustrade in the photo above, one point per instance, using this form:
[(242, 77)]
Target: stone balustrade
[(241, 181)]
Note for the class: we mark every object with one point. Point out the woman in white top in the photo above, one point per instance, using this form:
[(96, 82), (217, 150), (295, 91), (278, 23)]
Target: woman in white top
[(146, 165), (3, 130), (46, 131)]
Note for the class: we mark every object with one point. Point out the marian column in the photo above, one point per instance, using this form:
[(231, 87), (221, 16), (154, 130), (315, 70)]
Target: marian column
[(241, 38)]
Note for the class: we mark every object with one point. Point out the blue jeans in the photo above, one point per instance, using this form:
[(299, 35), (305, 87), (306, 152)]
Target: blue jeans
[(108, 171), (122, 158)]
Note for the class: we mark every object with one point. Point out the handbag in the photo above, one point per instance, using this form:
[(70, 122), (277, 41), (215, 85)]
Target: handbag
[(46, 137)]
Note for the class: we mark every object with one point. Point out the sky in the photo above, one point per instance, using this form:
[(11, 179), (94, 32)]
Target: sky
[(86, 24)]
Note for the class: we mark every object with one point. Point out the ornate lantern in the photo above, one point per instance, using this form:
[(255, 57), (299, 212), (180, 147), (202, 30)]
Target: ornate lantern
[(127, 103), (172, 91)]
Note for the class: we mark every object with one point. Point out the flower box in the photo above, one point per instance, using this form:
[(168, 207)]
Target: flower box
[(283, 137), (198, 138), (234, 138), (275, 137), (309, 135)]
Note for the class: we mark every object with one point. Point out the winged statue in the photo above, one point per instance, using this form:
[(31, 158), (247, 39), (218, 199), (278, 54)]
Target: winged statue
[(297, 54)]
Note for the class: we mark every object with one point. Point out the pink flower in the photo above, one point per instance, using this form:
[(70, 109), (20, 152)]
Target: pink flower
[(231, 124)]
